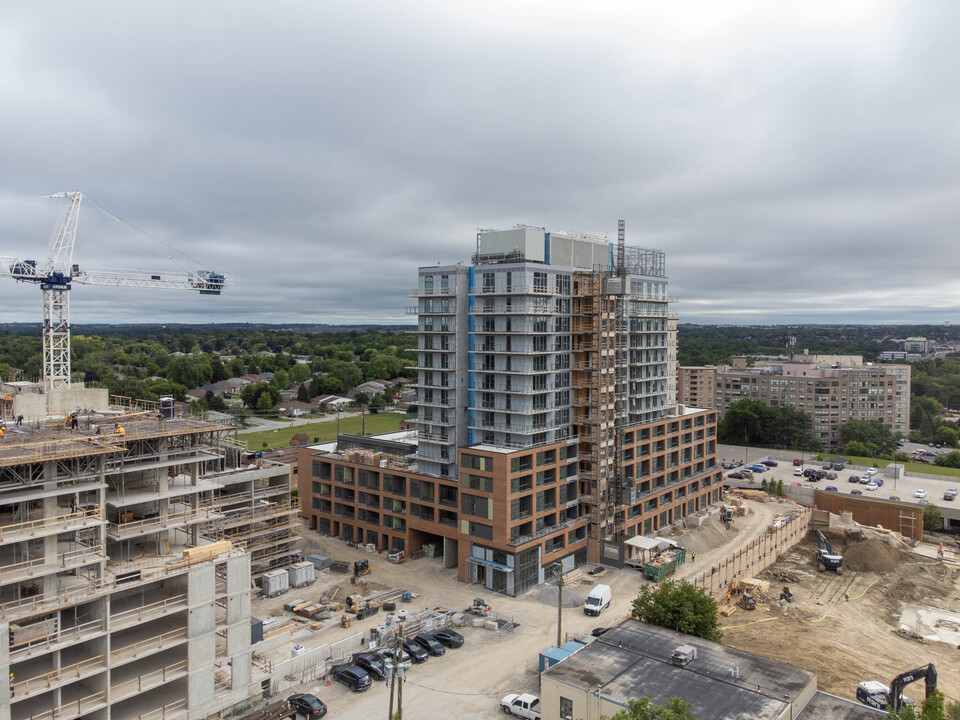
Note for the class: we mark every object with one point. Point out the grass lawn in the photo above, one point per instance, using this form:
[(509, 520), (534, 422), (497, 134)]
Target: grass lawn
[(325, 430)]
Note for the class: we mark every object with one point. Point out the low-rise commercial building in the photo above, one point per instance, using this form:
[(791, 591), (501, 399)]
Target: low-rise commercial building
[(636, 660)]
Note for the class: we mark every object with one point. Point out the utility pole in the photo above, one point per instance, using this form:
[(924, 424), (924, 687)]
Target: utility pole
[(559, 604), (395, 671)]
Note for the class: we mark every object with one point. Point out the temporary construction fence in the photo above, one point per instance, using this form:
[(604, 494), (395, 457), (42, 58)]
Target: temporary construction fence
[(757, 556), (313, 663)]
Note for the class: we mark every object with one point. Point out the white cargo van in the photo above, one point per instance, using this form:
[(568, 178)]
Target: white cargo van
[(597, 600)]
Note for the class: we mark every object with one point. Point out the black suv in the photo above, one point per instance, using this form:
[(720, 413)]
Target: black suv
[(352, 676), (416, 651), (310, 706), (431, 645), (373, 664)]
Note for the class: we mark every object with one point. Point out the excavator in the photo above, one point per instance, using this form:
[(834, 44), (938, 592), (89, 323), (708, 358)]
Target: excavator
[(826, 557), (878, 695)]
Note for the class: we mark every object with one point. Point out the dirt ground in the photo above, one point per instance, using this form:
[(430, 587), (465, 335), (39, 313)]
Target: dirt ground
[(849, 640), (468, 682)]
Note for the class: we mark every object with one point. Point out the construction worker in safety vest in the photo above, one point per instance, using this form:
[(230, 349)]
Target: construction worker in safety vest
[(120, 430)]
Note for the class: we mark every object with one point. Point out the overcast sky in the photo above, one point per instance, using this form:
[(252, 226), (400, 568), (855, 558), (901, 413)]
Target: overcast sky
[(797, 161)]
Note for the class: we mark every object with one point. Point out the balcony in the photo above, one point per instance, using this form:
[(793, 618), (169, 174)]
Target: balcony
[(146, 681), (50, 680), (163, 521), (524, 539), (146, 646), (51, 525), (61, 637), (57, 563)]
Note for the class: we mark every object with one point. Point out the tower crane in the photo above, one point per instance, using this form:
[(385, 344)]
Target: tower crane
[(57, 274)]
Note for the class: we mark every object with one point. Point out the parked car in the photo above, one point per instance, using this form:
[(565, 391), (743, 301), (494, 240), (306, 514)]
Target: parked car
[(878, 480), (894, 497), (431, 645), (770, 463), (923, 502), (830, 488), (871, 471), (355, 678), (597, 632), (373, 664), (416, 651), (856, 491), (798, 462), (871, 486), (866, 479), (807, 485), (838, 466), (854, 478), (737, 476), (386, 655), (828, 466), (757, 468), (798, 472), (950, 495), (795, 484), (448, 638), (310, 706), (525, 706), (831, 476), (921, 493)]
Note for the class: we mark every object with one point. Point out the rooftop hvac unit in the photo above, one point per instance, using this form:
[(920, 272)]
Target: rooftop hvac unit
[(684, 655)]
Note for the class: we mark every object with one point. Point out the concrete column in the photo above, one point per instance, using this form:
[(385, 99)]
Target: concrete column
[(201, 629), (4, 671), (238, 620)]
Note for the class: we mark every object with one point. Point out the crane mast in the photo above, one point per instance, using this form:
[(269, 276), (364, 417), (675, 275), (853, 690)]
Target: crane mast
[(55, 287)]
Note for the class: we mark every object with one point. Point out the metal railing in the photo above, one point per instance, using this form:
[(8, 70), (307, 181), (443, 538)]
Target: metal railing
[(69, 521)]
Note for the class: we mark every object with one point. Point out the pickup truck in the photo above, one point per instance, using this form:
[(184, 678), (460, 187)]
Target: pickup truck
[(525, 706)]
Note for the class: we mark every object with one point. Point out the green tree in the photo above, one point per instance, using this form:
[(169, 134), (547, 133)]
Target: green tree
[(952, 711), (951, 459), (361, 399), (303, 393), (932, 518), (946, 435), (932, 709), (856, 449), (679, 606), (780, 488), (743, 422), (377, 403), (264, 402), (644, 709), (872, 433)]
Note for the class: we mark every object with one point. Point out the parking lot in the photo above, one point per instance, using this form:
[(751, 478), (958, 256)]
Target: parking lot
[(905, 489)]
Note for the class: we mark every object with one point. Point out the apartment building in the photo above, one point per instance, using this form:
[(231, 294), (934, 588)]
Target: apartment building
[(127, 549), (547, 429), (832, 390)]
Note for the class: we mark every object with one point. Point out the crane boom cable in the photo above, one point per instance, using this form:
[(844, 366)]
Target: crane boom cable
[(149, 237)]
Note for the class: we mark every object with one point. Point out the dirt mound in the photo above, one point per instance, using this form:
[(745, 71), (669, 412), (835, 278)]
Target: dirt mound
[(711, 534), (872, 555)]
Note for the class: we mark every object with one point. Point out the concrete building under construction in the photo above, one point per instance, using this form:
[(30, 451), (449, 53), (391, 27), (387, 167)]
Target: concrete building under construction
[(128, 544)]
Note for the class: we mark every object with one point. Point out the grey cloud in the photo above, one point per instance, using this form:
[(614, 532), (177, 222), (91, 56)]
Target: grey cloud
[(797, 163)]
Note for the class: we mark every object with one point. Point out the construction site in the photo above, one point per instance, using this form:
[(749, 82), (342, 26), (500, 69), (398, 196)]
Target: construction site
[(893, 606), (129, 541)]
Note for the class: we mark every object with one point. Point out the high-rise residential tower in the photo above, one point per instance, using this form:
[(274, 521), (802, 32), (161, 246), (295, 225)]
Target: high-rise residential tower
[(547, 427)]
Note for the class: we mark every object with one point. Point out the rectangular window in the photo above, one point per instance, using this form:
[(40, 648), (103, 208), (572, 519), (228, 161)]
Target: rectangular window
[(476, 506), (321, 469), (344, 474), (519, 464), (477, 462), (476, 482), (547, 457)]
